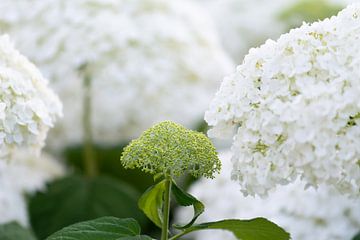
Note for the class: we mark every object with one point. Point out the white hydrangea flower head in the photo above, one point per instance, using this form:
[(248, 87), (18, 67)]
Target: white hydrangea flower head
[(322, 214), (28, 108), (293, 110), (148, 60), (37, 169), (243, 24)]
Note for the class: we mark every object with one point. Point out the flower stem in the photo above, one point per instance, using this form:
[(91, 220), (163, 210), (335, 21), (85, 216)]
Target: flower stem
[(89, 153), (166, 210), (182, 234)]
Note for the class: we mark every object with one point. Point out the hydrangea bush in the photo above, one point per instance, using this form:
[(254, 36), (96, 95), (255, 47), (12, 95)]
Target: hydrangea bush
[(28, 108), (308, 214), (147, 60), (292, 108)]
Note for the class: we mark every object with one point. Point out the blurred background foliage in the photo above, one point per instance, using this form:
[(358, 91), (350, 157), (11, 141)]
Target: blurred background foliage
[(14, 231), (107, 158), (357, 237), (309, 11), (77, 198)]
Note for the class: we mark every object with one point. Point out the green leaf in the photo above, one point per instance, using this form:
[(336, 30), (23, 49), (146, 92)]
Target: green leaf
[(151, 202), (357, 237), (77, 198), (13, 231), (105, 228), (253, 229), (140, 237), (185, 199)]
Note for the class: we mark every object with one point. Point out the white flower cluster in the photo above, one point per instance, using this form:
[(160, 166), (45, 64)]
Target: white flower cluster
[(14, 185), (148, 60), (322, 214), (243, 24), (28, 108), (295, 108)]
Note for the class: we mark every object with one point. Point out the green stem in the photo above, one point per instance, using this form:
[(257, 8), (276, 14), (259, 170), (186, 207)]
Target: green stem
[(89, 153), (166, 210), (182, 234)]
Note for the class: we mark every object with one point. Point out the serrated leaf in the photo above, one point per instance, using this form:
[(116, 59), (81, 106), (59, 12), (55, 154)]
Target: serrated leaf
[(185, 199), (13, 231), (151, 203), (253, 229), (357, 237), (105, 228), (77, 198)]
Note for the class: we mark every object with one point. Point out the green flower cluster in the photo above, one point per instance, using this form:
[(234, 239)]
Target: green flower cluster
[(169, 148)]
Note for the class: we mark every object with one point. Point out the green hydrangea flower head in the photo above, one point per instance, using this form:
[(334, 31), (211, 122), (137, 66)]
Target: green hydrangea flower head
[(169, 148)]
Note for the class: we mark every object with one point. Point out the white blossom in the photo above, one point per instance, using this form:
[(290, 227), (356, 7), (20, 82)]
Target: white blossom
[(293, 109), (322, 214), (243, 24), (24, 174), (28, 108), (148, 60)]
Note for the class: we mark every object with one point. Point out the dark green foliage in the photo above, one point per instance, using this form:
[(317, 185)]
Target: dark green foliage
[(357, 237), (108, 163), (76, 198)]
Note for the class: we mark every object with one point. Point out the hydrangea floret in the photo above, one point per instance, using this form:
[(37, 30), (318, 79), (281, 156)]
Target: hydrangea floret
[(292, 108), (169, 148)]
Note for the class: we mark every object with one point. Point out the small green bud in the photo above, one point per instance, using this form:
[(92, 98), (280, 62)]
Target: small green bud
[(169, 148)]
